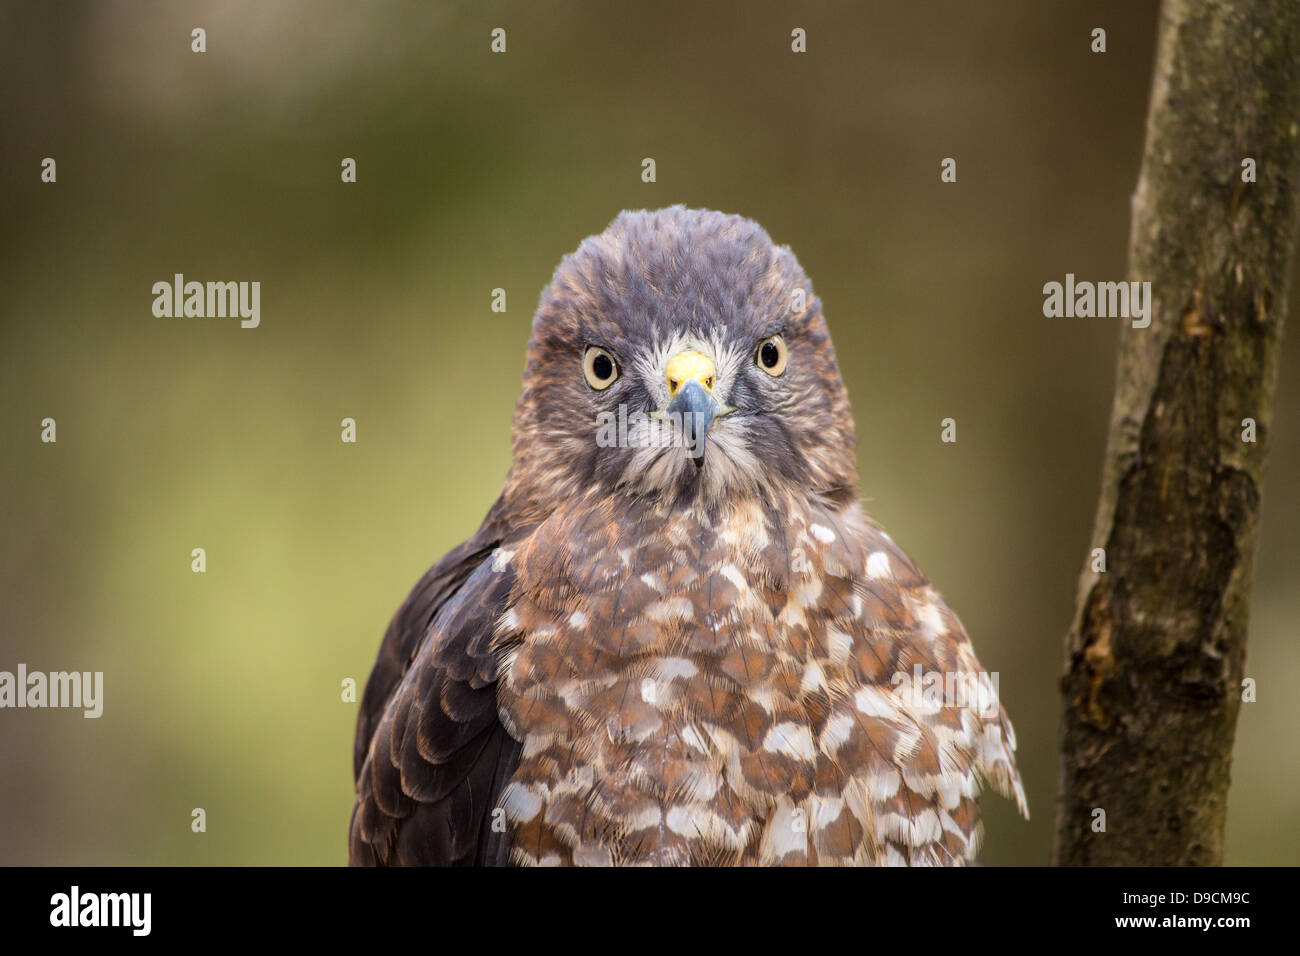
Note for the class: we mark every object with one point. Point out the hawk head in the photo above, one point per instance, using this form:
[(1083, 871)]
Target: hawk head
[(681, 355)]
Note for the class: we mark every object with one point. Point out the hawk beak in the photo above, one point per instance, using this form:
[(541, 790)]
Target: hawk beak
[(691, 376)]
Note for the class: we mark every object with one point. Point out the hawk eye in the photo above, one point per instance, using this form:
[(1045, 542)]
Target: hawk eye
[(600, 368), (772, 355)]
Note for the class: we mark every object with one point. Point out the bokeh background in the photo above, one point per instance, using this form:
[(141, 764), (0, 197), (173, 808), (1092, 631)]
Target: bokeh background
[(479, 171)]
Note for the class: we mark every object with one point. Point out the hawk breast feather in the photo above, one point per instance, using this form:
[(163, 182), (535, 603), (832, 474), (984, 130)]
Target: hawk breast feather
[(630, 683)]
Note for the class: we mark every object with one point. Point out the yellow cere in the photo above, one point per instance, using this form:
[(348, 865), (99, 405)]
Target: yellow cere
[(689, 365)]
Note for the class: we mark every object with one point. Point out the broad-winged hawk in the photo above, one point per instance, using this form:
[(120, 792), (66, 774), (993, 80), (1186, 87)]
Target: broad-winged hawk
[(676, 637)]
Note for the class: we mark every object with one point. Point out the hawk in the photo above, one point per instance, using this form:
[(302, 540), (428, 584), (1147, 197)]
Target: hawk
[(676, 637)]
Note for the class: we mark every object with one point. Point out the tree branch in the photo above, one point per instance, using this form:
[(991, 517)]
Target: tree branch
[(1155, 654)]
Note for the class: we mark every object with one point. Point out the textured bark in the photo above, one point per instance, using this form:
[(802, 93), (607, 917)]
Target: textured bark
[(1155, 655)]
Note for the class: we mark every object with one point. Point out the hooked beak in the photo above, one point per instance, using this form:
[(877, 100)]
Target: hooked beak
[(690, 384)]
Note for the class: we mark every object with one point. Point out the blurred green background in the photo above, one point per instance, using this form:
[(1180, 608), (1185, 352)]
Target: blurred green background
[(479, 171)]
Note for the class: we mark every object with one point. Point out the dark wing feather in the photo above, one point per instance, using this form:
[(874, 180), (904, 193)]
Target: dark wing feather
[(406, 631), (431, 755)]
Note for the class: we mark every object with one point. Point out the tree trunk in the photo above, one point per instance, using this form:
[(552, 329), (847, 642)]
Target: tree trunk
[(1155, 655)]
